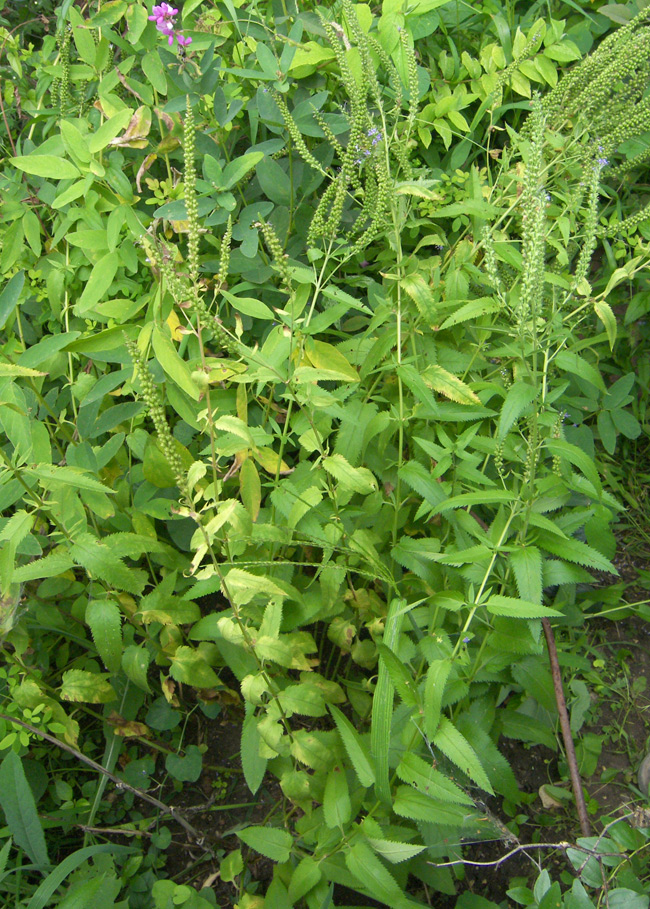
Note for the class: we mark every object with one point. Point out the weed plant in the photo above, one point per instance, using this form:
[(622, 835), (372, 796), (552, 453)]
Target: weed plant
[(301, 413)]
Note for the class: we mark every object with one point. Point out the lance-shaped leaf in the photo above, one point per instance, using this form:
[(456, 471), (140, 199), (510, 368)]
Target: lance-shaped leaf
[(104, 619), (269, 841), (20, 809), (526, 564), (356, 750), (456, 747), (449, 385)]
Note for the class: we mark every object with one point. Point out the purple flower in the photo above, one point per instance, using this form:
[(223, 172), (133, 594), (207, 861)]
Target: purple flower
[(164, 17)]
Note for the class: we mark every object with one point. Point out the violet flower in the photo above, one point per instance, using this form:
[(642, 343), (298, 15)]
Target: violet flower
[(164, 16)]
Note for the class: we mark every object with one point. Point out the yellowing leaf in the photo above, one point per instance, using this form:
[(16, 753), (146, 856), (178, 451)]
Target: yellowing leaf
[(449, 385), (270, 461), (174, 326), (328, 359)]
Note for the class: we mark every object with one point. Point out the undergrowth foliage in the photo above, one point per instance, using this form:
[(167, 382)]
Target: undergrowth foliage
[(298, 417)]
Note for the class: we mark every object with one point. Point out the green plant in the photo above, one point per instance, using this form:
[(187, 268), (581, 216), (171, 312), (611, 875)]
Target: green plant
[(371, 439)]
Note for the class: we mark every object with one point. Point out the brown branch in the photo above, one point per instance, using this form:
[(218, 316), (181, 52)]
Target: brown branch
[(569, 747), (120, 784)]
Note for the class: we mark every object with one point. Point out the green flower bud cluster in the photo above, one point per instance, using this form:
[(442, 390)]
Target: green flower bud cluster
[(532, 452), (628, 224), (605, 93), (278, 254), (156, 408), (191, 201), (294, 132), (61, 87), (590, 227), (490, 261), (225, 340), (224, 255), (498, 460), (557, 433), (533, 221)]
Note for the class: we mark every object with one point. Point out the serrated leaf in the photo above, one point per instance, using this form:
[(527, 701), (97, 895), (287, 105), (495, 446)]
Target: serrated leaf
[(355, 748), (50, 566), (304, 878), (578, 366), (354, 479), (190, 667), (576, 456), (328, 359), (431, 782), (87, 687), (104, 619), (421, 294), (449, 385), (9, 370), (337, 808), (369, 871), (402, 679), (472, 310), (526, 564), (269, 841), (243, 586), (418, 807), (99, 561), (518, 398), (573, 550), (135, 663), (47, 474), (382, 706), (456, 747), (606, 315), (394, 851), (513, 608), (253, 765), (434, 688), (19, 809)]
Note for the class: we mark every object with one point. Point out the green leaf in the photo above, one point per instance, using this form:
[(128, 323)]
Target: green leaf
[(519, 397), (431, 782), (578, 366), (456, 747), (185, 768), (437, 676), (518, 609), (88, 687), (402, 679), (97, 285), (104, 619), (253, 765), (419, 807), (174, 366), (20, 809), (337, 808), (269, 841), (9, 299), (50, 566), (493, 497), (354, 479), (70, 863), (565, 450), (421, 294), (355, 748), (50, 166), (572, 550), (472, 310), (190, 667), (47, 474), (243, 586), (449, 385), (394, 851), (330, 361), (99, 560), (235, 170), (135, 663), (9, 371), (304, 878), (382, 704), (374, 877), (526, 564), (606, 315), (231, 866)]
